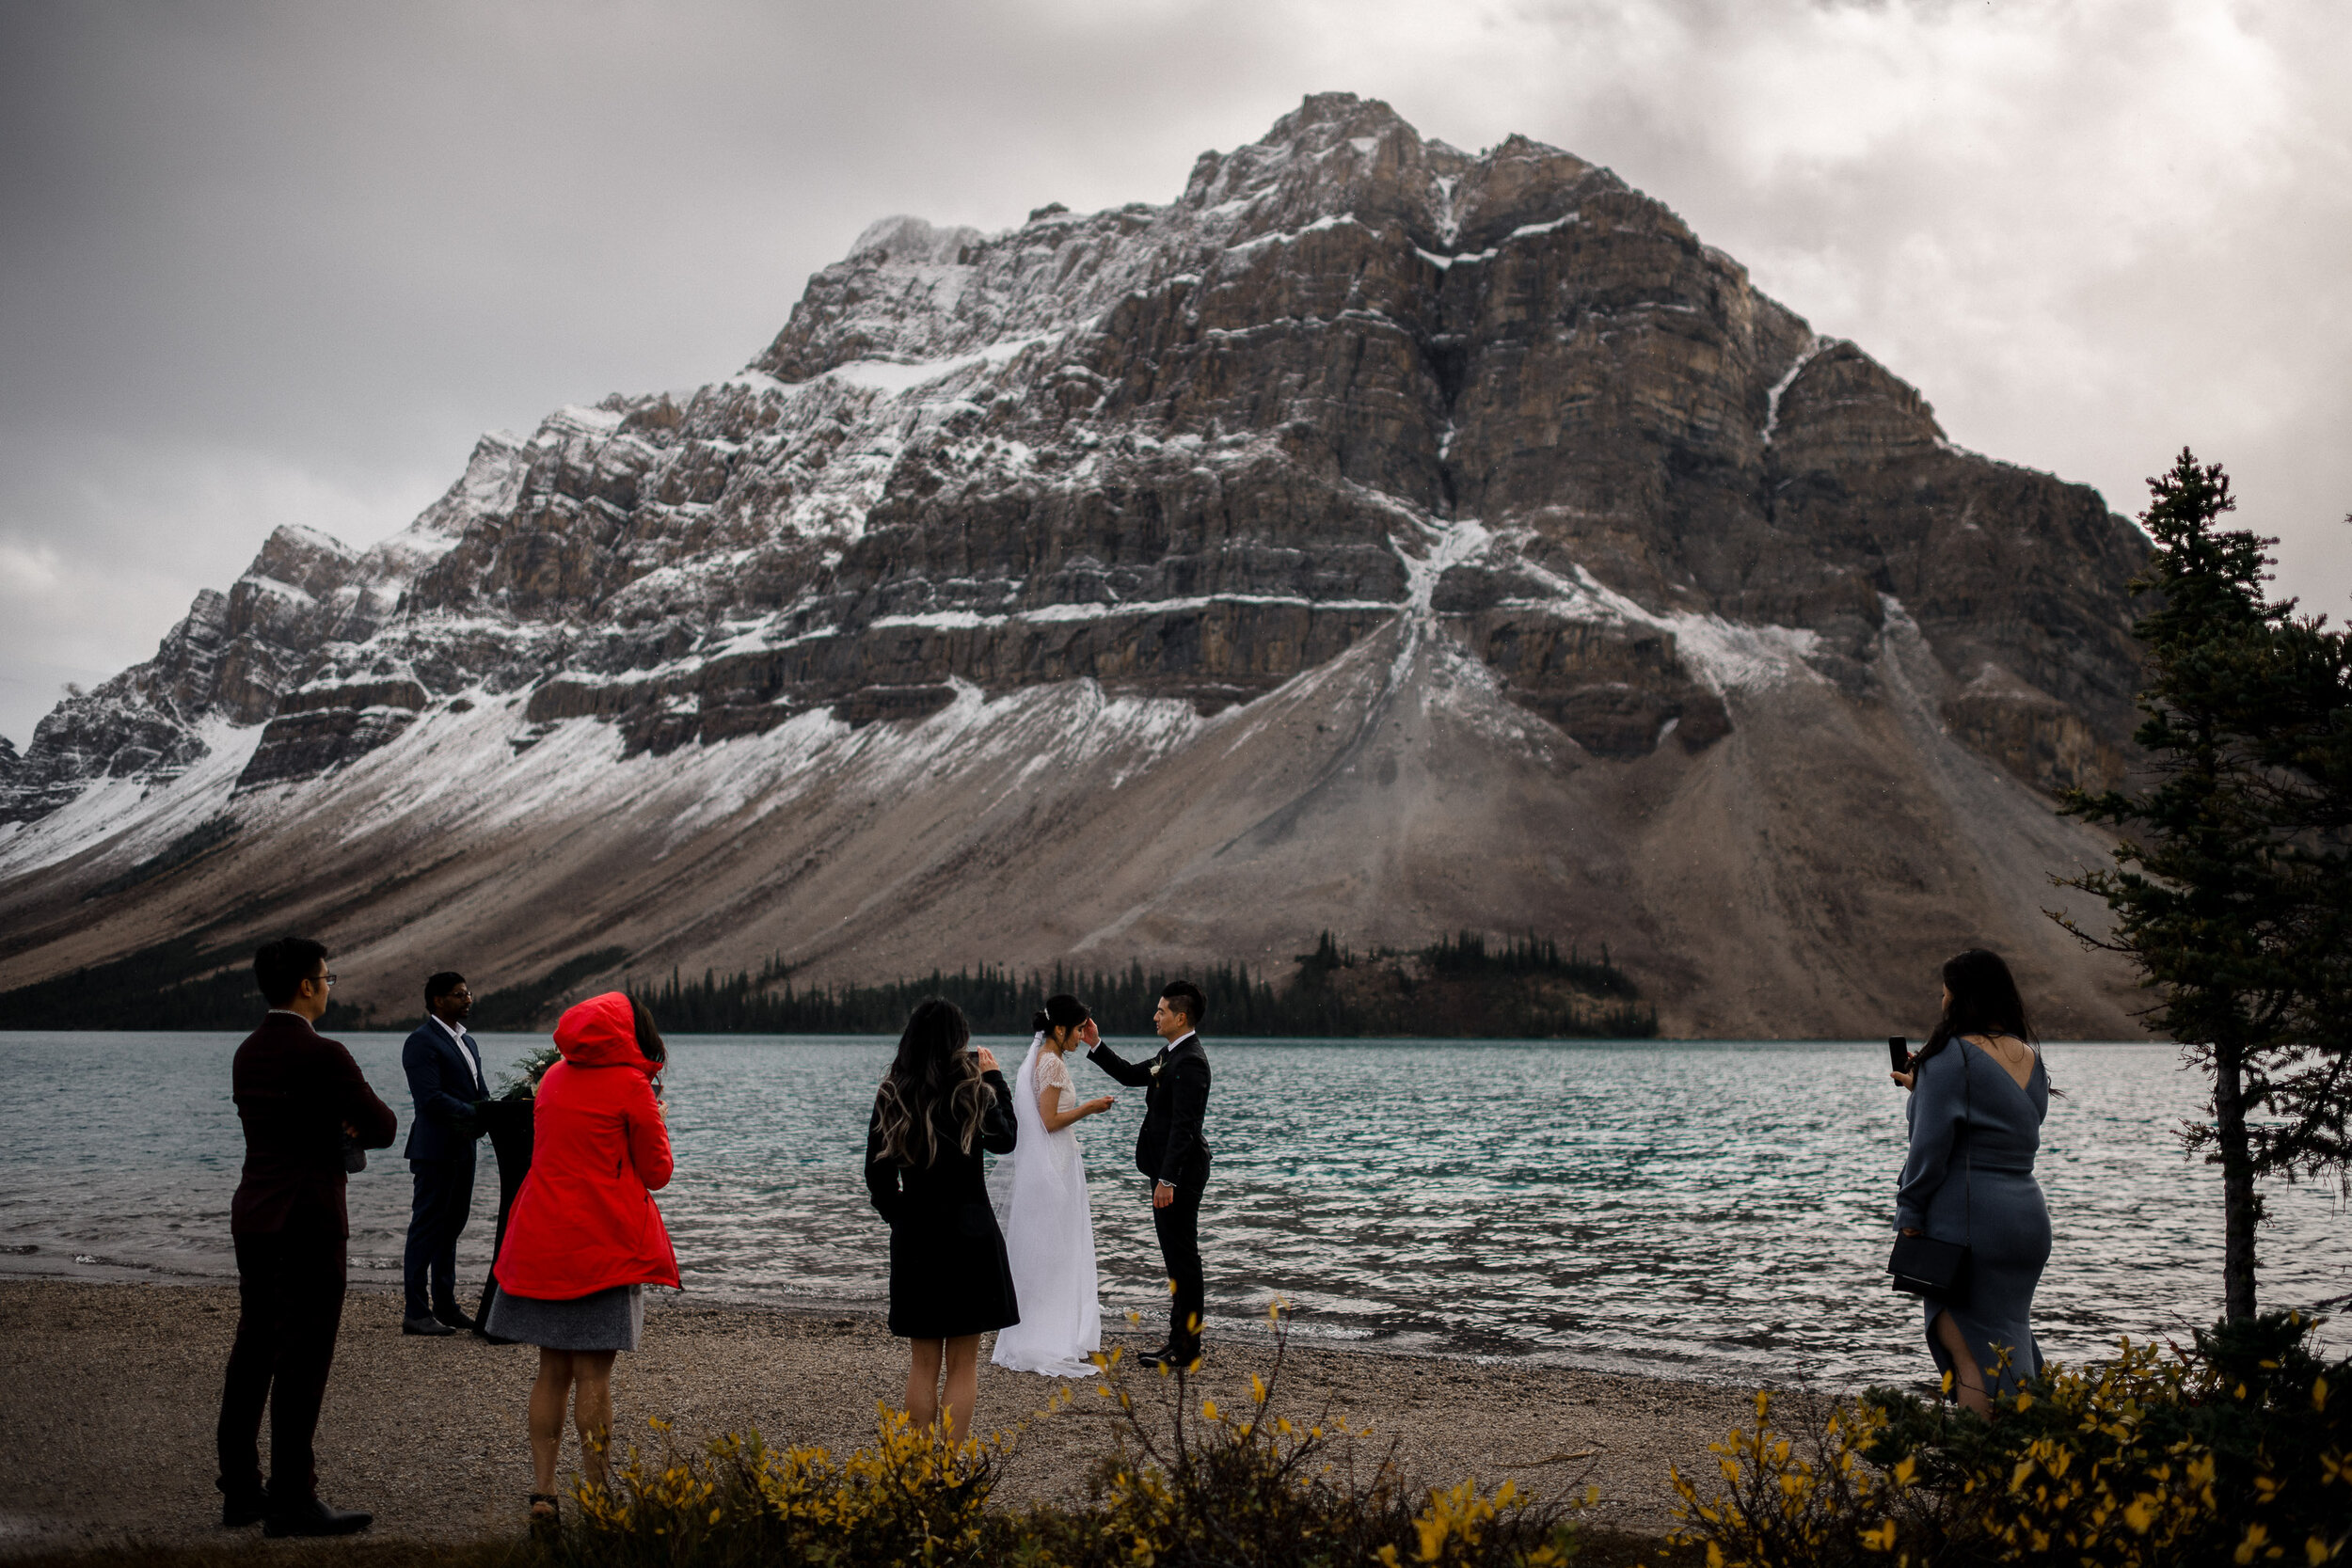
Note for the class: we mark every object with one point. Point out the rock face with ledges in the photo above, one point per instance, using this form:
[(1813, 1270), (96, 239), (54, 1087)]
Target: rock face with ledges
[(1354, 396)]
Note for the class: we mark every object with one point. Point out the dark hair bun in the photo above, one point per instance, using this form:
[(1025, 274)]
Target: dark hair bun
[(1041, 1023)]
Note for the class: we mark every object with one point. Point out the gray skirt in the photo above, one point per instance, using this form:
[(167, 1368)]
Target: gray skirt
[(607, 1319)]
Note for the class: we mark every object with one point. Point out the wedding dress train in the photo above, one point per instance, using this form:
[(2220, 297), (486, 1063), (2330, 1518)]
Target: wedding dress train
[(1049, 1234)]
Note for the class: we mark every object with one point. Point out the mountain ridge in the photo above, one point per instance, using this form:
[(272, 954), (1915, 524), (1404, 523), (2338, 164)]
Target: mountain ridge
[(1362, 440)]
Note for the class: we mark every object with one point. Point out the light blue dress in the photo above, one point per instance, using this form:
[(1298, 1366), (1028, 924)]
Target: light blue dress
[(1974, 1134)]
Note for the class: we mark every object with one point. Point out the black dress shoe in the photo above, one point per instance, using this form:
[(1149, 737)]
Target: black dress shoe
[(456, 1319), (1176, 1359), (424, 1325), (312, 1517), (243, 1508)]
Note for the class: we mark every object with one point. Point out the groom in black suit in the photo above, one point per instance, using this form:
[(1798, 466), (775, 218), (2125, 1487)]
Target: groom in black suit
[(1170, 1150)]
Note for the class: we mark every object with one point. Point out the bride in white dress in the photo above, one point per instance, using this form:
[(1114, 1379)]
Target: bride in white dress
[(1049, 1232)]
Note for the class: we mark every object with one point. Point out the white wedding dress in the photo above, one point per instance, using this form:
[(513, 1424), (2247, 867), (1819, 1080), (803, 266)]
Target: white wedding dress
[(1049, 1234)]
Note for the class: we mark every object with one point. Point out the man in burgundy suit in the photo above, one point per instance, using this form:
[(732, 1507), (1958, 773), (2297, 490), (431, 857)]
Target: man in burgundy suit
[(301, 1096)]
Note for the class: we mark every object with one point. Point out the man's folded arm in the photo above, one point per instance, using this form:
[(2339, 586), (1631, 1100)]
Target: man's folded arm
[(368, 1115)]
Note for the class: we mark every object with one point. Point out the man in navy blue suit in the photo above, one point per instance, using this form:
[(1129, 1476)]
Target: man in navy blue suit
[(444, 1067)]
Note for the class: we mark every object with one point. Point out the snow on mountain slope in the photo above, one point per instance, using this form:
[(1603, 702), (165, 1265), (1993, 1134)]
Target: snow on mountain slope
[(1378, 537)]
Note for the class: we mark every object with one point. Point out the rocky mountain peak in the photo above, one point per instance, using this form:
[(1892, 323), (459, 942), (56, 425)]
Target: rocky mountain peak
[(1517, 513), (1338, 155), (907, 242), (909, 291)]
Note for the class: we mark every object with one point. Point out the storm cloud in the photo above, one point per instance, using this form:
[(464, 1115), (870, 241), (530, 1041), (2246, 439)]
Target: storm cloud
[(263, 264)]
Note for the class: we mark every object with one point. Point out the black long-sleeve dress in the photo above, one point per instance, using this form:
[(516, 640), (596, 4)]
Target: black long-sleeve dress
[(948, 1273)]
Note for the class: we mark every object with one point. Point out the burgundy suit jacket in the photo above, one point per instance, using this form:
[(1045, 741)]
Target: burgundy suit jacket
[(294, 1089)]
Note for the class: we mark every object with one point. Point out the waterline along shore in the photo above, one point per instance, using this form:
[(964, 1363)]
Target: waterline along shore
[(113, 1389), (1714, 1210)]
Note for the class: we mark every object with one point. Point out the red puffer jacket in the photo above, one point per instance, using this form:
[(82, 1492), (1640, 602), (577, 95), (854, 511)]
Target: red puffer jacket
[(585, 1220)]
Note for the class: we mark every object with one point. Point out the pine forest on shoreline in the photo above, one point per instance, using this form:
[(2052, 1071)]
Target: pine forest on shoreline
[(1466, 985)]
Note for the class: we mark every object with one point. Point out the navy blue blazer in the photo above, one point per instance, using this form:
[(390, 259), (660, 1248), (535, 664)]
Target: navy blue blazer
[(443, 1084)]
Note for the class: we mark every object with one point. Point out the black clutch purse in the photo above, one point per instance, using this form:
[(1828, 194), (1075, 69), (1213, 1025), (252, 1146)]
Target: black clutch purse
[(354, 1157), (1923, 1266)]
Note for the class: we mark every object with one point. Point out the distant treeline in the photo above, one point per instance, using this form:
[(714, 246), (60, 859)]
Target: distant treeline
[(994, 999), (1467, 954), (522, 1007), (1466, 985), (173, 985), (1316, 1002)]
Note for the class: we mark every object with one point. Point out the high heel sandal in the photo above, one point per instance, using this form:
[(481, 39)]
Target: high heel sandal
[(547, 1515)]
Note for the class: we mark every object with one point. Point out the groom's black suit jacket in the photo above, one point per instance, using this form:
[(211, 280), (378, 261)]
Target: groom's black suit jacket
[(1168, 1146)]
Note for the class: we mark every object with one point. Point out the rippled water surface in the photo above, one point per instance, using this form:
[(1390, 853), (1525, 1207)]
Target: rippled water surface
[(1707, 1208)]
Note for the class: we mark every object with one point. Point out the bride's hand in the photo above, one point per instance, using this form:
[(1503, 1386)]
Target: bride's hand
[(1101, 1103)]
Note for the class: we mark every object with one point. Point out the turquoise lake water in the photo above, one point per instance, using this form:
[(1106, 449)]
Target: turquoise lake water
[(1697, 1209)]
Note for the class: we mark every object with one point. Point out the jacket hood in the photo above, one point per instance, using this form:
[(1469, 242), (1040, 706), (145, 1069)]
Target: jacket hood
[(601, 1032)]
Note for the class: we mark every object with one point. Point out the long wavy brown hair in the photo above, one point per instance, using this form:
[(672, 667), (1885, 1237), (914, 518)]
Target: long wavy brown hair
[(932, 1081)]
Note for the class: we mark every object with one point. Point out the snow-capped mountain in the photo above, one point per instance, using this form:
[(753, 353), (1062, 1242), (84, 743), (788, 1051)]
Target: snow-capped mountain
[(1378, 537)]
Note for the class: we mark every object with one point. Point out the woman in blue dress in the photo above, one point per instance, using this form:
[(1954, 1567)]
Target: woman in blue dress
[(1979, 1092)]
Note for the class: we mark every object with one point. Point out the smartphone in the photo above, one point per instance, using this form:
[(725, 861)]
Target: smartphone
[(1898, 1052)]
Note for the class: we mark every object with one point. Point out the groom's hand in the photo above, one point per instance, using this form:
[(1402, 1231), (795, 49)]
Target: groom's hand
[(1089, 1034), (1162, 1194)]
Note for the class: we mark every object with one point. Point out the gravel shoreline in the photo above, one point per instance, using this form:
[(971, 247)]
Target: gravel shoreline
[(112, 1391)]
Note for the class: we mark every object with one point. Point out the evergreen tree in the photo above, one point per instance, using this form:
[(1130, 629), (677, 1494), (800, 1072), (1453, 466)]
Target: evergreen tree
[(2230, 888)]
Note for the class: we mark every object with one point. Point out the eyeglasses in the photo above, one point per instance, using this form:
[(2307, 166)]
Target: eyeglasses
[(329, 980)]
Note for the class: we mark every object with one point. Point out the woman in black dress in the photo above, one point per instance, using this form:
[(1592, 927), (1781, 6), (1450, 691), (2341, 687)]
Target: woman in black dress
[(938, 1107)]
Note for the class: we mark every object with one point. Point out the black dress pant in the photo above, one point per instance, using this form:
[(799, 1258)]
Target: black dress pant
[(1179, 1230), (436, 1213), (290, 1291)]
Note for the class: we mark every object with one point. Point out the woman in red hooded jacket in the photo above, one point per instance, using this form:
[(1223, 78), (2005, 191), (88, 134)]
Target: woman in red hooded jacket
[(584, 1239)]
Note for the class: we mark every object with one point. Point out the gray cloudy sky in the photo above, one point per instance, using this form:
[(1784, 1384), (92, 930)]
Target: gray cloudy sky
[(266, 263)]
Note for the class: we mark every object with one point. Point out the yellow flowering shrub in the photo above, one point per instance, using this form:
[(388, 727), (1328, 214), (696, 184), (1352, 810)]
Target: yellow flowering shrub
[(1801, 1493), (2093, 1469), (1203, 1486), (2234, 1450), (1457, 1525), (1250, 1486), (913, 1498)]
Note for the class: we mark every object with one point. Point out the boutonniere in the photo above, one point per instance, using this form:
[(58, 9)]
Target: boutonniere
[(1157, 1066)]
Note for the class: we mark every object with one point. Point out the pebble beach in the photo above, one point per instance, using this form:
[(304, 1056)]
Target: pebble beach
[(112, 1390)]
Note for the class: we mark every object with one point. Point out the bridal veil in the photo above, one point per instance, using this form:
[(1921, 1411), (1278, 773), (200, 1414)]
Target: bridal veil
[(1049, 1235)]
